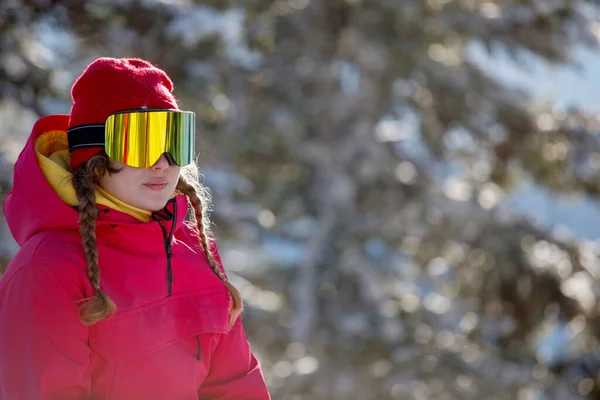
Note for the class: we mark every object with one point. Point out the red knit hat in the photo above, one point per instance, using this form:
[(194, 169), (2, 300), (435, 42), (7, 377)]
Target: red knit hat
[(109, 85)]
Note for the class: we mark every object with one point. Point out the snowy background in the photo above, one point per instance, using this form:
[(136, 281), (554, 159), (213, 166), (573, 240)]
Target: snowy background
[(406, 193)]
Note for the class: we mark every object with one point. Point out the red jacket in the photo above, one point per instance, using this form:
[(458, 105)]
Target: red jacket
[(167, 341)]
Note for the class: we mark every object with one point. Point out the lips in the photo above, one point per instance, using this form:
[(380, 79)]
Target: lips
[(157, 185)]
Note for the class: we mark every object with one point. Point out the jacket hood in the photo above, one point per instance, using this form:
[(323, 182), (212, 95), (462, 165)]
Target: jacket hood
[(34, 204)]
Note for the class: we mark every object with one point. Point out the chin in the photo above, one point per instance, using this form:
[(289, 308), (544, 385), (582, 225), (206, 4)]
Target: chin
[(152, 205), (157, 206)]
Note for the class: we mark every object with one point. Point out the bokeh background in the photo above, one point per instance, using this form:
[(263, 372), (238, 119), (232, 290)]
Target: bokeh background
[(405, 191)]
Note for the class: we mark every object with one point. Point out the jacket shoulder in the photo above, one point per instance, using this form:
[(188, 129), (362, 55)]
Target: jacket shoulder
[(54, 248)]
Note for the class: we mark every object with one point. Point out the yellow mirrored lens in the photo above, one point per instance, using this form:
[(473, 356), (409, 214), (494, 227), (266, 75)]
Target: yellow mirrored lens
[(139, 138)]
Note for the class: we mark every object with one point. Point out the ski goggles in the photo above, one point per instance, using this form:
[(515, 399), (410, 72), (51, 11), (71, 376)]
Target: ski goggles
[(139, 138)]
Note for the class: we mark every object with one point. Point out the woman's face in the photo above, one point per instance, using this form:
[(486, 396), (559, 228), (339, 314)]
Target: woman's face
[(145, 188)]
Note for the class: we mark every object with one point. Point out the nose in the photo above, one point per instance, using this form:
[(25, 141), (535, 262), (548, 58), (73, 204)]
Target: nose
[(161, 164)]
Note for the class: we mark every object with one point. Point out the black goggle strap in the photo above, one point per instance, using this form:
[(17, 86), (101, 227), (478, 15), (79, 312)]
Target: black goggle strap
[(84, 136)]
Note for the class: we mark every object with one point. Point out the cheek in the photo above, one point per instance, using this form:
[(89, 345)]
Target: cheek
[(105, 182), (175, 174), (121, 184), (110, 184), (115, 164)]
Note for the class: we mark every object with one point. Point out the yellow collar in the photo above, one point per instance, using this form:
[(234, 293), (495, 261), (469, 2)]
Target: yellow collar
[(54, 159)]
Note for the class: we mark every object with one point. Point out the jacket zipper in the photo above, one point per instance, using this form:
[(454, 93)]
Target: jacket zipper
[(167, 243)]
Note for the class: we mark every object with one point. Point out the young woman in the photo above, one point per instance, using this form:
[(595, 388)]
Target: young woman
[(114, 294)]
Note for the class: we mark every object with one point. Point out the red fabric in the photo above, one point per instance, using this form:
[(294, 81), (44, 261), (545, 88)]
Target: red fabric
[(109, 85), (79, 156), (149, 350)]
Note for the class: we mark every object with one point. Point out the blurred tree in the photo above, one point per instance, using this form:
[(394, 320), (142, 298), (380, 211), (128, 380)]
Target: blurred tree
[(359, 157)]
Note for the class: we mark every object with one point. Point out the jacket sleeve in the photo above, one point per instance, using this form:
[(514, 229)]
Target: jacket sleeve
[(44, 352), (234, 371)]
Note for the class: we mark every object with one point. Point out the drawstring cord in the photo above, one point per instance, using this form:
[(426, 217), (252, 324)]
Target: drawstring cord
[(199, 348)]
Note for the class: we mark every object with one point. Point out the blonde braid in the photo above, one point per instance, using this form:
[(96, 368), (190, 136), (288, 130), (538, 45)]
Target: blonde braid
[(203, 223), (85, 177)]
